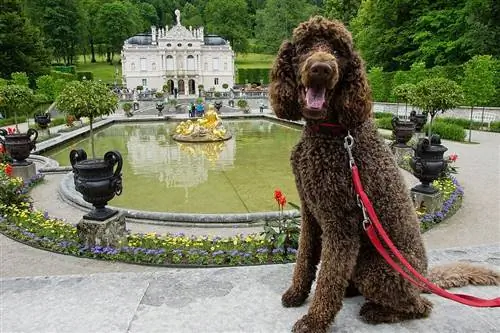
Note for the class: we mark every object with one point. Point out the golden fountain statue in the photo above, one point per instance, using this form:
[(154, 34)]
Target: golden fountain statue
[(206, 129)]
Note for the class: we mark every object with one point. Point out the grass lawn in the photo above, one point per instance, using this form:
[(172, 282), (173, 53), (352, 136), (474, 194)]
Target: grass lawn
[(254, 60), (106, 72)]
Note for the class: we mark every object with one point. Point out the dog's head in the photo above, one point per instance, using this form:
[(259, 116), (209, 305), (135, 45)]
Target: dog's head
[(319, 76)]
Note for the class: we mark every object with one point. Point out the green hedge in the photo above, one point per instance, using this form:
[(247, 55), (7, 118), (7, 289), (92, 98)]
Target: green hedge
[(65, 69), (87, 75), (253, 75), (385, 123), (446, 130), (379, 115), (10, 121), (495, 126)]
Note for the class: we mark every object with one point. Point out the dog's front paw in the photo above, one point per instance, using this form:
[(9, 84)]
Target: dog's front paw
[(307, 324), (294, 297)]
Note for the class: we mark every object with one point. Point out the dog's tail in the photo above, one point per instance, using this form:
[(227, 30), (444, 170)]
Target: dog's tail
[(463, 274)]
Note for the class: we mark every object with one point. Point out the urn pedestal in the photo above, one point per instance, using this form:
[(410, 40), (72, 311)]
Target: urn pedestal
[(98, 181), (102, 233), (19, 145)]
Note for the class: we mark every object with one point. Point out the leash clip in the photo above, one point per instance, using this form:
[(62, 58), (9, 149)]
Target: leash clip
[(348, 144), (366, 219)]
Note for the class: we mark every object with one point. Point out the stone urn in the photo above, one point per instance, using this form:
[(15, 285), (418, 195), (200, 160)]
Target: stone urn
[(418, 119), (428, 163), (403, 131), (43, 120), (98, 181), (19, 145), (160, 108), (218, 106)]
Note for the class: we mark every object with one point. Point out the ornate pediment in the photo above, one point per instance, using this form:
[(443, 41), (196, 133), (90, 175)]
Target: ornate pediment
[(178, 32)]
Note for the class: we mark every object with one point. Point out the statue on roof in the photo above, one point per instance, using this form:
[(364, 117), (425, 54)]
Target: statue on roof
[(178, 16)]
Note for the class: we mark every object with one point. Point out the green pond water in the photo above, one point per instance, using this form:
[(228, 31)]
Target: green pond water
[(160, 174)]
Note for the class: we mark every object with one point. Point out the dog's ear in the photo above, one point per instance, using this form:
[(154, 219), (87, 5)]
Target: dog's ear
[(283, 92), (355, 103)]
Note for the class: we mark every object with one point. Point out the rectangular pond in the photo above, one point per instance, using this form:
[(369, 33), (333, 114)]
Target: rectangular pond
[(160, 174)]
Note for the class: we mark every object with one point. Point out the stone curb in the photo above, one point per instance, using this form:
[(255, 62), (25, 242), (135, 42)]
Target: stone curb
[(70, 195)]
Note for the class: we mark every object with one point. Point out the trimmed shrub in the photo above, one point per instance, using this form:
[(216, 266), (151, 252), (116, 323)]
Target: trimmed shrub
[(495, 126), (87, 75), (379, 115), (384, 122), (447, 131)]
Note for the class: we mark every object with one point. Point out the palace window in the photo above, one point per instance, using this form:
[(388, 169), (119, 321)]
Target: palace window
[(190, 63), (132, 67), (216, 64), (153, 66), (170, 63), (143, 64), (216, 81), (144, 83)]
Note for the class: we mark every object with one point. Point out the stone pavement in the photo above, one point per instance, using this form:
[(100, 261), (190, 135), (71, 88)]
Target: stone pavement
[(244, 299), (47, 292)]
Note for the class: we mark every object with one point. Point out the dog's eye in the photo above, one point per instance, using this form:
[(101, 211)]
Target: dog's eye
[(336, 53)]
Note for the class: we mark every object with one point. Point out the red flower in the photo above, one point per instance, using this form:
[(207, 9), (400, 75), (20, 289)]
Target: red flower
[(8, 170), (11, 130), (282, 201), (453, 157), (277, 194), (2, 149)]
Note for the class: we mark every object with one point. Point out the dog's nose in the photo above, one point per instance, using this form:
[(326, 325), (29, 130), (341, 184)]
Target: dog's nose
[(320, 71)]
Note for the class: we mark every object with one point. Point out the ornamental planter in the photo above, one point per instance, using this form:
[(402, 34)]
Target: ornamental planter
[(43, 120), (160, 107), (403, 131), (218, 106), (19, 145), (428, 163), (418, 119), (96, 180)]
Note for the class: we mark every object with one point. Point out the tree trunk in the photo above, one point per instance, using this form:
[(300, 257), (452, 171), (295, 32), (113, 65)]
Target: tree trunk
[(470, 124), (91, 121), (108, 56), (92, 50)]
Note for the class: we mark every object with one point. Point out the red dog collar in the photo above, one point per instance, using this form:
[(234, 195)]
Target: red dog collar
[(332, 129)]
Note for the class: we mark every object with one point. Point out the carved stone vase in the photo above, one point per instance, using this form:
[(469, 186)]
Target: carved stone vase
[(418, 119), (19, 145), (403, 131), (98, 181), (43, 120), (428, 163)]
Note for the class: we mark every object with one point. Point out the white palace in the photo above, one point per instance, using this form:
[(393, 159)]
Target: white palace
[(185, 57)]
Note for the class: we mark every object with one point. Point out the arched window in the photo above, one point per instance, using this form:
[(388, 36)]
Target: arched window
[(190, 63), (153, 66), (170, 63), (132, 67)]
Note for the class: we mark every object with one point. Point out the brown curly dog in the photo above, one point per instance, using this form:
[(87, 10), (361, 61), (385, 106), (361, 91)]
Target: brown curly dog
[(319, 77)]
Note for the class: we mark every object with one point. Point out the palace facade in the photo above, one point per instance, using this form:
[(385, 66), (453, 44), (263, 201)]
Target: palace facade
[(182, 57)]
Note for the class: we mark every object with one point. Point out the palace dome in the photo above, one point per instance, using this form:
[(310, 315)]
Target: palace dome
[(214, 40), (140, 39)]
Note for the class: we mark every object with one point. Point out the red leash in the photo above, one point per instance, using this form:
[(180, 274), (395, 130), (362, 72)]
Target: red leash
[(373, 229)]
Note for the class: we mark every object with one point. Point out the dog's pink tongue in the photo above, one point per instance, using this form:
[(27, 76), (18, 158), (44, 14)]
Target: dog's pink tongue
[(315, 98)]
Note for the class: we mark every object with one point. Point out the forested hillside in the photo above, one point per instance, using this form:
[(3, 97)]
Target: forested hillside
[(390, 34)]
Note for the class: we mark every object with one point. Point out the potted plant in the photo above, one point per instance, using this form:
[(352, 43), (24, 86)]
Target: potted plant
[(96, 179), (89, 99), (436, 95), (243, 105), (126, 108)]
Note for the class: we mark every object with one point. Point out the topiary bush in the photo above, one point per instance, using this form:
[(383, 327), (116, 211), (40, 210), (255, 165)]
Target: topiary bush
[(495, 126), (385, 123), (447, 131)]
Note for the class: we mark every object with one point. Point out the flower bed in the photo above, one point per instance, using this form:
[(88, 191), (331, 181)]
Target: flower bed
[(21, 222)]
